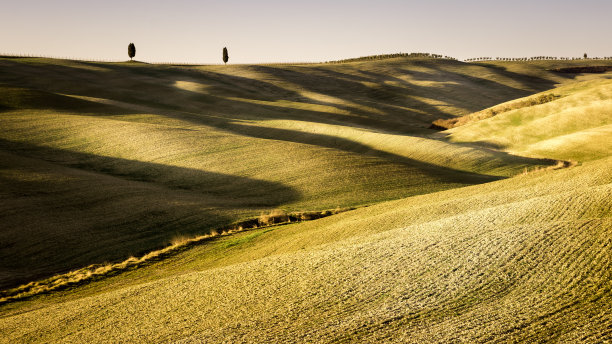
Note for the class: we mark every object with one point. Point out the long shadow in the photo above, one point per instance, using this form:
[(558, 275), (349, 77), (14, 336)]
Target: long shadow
[(385, 98), (467, 92), (489, 92), (444, 174), (385, 95), (101, 209), (223, 188)]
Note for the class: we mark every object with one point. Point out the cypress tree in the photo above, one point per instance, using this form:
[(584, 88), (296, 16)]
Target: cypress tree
[(131, 50), (225, 56)]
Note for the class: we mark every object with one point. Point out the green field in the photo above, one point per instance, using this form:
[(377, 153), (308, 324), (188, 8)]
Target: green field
[(474, 234)]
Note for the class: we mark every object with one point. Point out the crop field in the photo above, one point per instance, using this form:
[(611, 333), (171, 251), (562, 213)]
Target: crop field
[(497, 230)]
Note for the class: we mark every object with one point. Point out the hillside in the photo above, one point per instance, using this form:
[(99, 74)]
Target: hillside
[(577, 125), (104, 161), (450, 241), (524, 259)]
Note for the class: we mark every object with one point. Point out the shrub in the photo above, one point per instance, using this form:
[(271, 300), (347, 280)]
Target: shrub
[(275, 216)]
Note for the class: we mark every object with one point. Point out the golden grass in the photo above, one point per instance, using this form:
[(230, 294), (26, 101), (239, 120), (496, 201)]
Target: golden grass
[(164, 154), (575, 127), (96, 271), (494, 111), (517, 260), (199, 178), (159, 152)]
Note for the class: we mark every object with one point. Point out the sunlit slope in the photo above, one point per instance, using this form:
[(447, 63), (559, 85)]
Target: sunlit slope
[(104, 161), (525, 259), (577, 125)]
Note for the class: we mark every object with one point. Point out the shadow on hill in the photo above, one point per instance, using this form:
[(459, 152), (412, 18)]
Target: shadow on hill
[(444, 174), (487, 91), (375, 97), (63, 210), (146, 90), (18, 98), (394, 105), (223, 189)]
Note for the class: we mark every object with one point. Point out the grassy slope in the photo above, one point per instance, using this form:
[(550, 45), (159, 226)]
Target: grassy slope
[(104, 161), (577, 126), (523, 259)]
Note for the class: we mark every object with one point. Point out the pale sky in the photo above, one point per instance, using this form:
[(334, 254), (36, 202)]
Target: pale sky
[(303, 31)]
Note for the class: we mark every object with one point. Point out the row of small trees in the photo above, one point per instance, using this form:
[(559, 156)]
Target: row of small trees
[(536, 58), (132, 52), (389, 56)]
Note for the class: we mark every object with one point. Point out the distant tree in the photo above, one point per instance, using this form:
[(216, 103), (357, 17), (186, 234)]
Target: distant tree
[(585, 55), (225, 56), (131, 50)]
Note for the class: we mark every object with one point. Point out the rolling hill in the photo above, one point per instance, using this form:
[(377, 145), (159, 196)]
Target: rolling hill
[(525, 259), (105, 161), (451, 239), (576, 126)]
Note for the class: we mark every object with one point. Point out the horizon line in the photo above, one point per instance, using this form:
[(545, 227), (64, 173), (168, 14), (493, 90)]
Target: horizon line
[(346, 60)]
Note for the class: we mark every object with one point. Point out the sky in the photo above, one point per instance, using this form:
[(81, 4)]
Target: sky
[(194, 31)]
